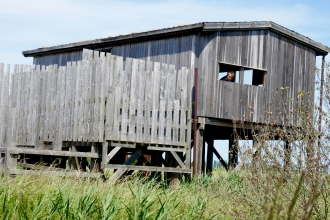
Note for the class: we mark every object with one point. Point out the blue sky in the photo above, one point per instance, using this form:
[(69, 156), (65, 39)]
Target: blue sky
[(32, 24), (27, 25)]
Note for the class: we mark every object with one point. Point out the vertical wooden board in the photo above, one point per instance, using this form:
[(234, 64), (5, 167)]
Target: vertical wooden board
[(169, 122), (148, 102), (49, 84), (103, 83), (96, 95), (170, 100), (19, 105), (183, 106), (163, 82), (161, 123), (190, 83), (155, 102), (57, 112), (44, 106), (112, 75), (80, 120), (28, 106), (71, 100), (61, 121), (34, 87), (87, 100), (66, 100), (75, 93), (125, 99), (53, 111), (14, 128), (90, 134), (176, 122), (133, 101), (118, 97), (37, 115), (141, 102), (22, 106)]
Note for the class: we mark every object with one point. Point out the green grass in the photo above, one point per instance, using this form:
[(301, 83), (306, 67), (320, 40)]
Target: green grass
[(222, 196)]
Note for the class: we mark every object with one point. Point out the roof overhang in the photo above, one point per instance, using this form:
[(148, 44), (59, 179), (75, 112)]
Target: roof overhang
[(180, 30)]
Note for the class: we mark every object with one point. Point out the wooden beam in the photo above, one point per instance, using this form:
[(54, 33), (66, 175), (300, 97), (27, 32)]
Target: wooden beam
[(241, 75), (222, 161), (131, 161), (199, 151), (148, 168), (39, 167), (233, 155), (177, 158), (53, 153), (112, 153), (209, 161), (51, 173), (105, 146)]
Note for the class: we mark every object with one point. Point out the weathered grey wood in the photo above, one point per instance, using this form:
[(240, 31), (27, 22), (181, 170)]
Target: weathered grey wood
[(52, 152), (103, 86), (141, 103), (112, 153), (148, 168), (118, 95), (60, 173), (177, 158), (199, 151), (241, 75), (176, 122), (183, 108), (133, 100), (131, 160), (10, 160), (111, 112)]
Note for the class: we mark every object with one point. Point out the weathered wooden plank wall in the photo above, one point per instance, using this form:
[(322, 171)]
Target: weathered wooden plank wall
[(287, 64), (100, 97), (59, 59)]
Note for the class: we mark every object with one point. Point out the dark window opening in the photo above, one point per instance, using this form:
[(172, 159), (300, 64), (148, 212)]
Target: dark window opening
[(243, 75)]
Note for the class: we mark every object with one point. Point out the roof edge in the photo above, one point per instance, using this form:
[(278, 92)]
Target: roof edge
[(203, 26)]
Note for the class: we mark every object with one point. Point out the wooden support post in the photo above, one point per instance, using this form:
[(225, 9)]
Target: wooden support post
[(203, 158), (209, 160), (156, 160), (95, 162), (2, 160), (233, 155), (199, 151), (11, 161), (241, 75), (105, 160), (131, 161), (287, 156)]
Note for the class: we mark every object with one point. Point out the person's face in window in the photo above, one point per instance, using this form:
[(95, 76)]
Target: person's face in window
[(229, 77)]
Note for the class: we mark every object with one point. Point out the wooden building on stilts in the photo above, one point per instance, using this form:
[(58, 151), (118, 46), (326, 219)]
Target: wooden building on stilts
[(131, 102)]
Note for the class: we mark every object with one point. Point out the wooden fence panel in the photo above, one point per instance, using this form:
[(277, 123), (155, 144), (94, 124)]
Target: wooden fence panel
[(100, 97)]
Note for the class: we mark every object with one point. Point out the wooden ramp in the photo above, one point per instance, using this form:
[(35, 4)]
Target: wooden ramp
[(103, 108)]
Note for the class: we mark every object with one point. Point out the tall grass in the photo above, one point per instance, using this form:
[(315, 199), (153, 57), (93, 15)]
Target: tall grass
[(222, 196)]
